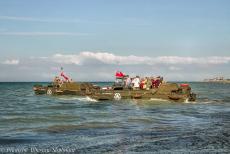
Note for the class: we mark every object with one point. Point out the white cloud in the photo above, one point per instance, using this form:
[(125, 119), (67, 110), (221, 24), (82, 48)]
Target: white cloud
[(42, 34), (33, 19), (173, 68), (11, 62), (109, 58), (130, 21), (101, 66), (67, 59), (20, 18)]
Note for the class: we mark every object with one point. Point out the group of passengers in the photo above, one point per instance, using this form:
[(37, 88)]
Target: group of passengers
[(145, 83), (136, 83)]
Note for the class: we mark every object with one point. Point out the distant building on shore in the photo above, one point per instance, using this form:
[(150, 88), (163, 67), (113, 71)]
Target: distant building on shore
[(218, 79)]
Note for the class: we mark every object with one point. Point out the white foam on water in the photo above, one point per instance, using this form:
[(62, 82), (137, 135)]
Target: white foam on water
[(68, 98), (91, 99), (210, 101), (186, 101), (159, 99), (82, 99), (200, 102), (207, 102), (190, 102), (146, 101)]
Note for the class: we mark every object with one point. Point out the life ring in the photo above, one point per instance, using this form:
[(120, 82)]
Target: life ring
[(117, 96), (49, 92)]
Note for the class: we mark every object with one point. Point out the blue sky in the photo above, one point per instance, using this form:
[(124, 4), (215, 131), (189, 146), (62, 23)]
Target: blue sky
[(32, 29)]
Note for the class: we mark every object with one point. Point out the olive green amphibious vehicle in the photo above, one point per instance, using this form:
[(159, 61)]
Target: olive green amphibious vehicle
[(166, 91), (66, 88), (148, 88)]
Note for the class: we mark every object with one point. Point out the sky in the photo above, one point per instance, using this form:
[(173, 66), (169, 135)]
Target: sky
[(182, 40)]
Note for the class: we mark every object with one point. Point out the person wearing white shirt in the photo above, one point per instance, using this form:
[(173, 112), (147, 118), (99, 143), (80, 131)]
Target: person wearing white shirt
[(136, 83)]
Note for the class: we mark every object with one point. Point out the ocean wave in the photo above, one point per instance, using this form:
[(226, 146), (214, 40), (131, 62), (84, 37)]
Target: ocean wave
[(209, 101), (190, 102), (6, 141), (83, 126)]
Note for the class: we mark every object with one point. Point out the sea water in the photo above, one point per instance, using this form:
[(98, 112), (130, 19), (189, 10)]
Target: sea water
[(32, 123)]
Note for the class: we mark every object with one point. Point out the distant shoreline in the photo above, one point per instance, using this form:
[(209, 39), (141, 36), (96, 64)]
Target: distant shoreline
[(217, 80), (225, 81)]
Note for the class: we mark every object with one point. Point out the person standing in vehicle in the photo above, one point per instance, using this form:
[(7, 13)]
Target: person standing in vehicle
[(148, 84), (136, 83), (128, 82)]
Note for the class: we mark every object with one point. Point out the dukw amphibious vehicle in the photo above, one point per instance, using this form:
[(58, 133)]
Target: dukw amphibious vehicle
[(66, 88), (167, 91)]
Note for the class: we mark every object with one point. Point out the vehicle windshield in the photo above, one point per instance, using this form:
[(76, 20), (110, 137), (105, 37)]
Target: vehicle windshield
[(119, 82)]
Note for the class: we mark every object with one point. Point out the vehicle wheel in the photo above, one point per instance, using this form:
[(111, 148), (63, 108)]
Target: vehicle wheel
[(117, 96), (49, 92)]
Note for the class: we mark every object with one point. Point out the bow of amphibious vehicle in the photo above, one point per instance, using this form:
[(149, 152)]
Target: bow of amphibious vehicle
[(167, 91), (66, 88)]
